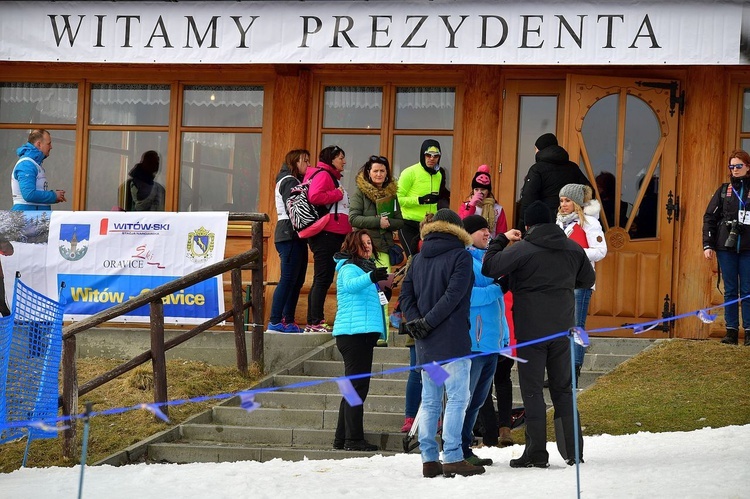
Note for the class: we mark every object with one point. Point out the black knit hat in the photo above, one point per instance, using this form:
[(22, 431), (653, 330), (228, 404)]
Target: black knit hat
[(546, 140), (537, 213), (448, 215), (473, 223), (482, 178)]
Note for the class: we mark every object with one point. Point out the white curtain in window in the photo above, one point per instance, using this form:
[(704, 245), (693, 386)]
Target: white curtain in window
[(56, 101)]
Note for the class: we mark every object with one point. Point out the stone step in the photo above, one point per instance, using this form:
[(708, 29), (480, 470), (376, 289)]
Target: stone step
[(284, 437), (335, 369), (198, 452), (281, 400), (320, 384), (300, 418)]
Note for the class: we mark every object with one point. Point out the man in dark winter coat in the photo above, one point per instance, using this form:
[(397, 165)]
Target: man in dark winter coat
[(435, 299), (543, 269), (552, 171)]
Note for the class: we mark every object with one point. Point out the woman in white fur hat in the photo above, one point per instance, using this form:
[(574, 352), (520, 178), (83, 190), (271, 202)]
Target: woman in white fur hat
[(578, 216)]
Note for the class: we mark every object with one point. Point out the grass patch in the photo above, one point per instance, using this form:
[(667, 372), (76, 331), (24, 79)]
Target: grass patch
[(109, 434), (677, 385), (680, 385)]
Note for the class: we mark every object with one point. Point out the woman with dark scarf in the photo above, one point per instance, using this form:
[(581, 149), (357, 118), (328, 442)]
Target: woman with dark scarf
[(359, 324)]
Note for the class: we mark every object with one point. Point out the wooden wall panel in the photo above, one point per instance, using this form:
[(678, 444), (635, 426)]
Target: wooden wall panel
[(479, 125), (701, 172)]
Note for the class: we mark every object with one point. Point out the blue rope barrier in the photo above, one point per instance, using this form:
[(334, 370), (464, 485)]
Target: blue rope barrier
[(51, 424)]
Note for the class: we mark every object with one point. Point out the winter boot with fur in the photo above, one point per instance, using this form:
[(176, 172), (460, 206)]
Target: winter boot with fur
[(731, 337)]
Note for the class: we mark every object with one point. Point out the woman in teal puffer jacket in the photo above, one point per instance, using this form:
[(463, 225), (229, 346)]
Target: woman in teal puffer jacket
[(360, 322)]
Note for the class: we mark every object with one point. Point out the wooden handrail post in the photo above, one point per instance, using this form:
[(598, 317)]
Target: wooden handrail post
[(158, 357), (70, 395), (238, 316), (257, 297)]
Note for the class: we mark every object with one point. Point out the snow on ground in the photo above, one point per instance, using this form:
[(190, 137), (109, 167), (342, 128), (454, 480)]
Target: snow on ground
[(709, 462)]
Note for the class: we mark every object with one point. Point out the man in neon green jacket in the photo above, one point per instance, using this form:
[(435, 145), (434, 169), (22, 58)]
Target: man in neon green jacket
[(420, 187)]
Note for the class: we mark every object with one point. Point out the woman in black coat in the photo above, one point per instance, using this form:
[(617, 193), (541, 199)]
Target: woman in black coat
[(724, 223)]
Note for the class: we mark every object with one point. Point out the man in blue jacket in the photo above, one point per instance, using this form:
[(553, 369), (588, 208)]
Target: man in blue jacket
[(435, 298), (28, 181), (489, 330)]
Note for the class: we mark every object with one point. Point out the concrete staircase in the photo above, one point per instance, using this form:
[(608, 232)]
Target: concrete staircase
[(298, 418)]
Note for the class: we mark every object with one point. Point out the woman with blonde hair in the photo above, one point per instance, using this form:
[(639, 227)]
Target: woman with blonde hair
[(578, 216)]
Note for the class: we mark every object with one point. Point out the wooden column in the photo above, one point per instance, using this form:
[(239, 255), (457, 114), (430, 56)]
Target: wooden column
[(701, 171), (158, 355), (69, 395)]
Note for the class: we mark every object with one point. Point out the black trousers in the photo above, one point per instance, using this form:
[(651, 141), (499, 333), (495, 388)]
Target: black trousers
[(357, 350), (492, 420), (554, 356), (409, 236), (323, 246)]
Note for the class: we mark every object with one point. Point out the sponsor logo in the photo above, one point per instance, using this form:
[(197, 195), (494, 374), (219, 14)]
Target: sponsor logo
[(74, 241), (200, 244), (138, 228)]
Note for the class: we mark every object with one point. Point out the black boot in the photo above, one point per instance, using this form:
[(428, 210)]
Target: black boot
[(731, 337)]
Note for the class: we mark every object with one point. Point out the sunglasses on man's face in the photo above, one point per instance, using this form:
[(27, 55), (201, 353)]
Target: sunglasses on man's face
[(736, 166), (432, 155)]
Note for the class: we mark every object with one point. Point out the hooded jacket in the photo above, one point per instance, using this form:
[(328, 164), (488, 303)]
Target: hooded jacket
[(724, 207), (419, 180), (489, 328), (543, 269), (597, 245), (358, 308), (29, 181), (144, 193), (437, 287), (552, 171), (363, 212), (324, 192)]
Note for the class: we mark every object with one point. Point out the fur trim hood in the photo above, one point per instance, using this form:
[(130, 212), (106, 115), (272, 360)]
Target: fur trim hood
[(592, 208), (447, 228), (374, 193)]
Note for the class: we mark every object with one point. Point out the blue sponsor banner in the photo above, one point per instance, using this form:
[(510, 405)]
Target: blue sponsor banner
[(91, 293)]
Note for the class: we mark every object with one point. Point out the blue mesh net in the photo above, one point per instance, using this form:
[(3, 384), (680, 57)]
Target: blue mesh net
[(30, 352)]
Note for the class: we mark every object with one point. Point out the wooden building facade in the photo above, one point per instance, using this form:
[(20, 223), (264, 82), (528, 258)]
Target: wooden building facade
[(664, 131)]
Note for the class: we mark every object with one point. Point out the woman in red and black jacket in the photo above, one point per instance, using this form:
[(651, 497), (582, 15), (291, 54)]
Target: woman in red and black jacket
[(326, 193)]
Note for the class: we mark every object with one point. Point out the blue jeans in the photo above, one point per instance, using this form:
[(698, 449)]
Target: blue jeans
[(583, 296), (413, 386), (293, 256), (457, 389), (480, 382), (735, 271)]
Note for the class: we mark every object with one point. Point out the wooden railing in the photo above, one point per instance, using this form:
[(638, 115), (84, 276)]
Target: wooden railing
[(249, 260)]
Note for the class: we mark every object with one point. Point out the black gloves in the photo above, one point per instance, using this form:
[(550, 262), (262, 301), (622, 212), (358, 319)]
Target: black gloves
[(431, 198), (418, 329), (379, 274)]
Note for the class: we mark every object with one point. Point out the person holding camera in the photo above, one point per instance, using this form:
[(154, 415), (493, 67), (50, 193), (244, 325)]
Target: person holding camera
[(435, 299), (359, 324), (727, 215)]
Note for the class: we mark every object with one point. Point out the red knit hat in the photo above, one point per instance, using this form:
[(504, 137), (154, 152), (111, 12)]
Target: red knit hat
[(482, 178)]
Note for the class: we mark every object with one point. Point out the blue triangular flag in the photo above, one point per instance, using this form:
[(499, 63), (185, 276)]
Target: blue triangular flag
[(580, 336), (348, 392), (154, 408), (247, 402), (437, 374), (706, 317)]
